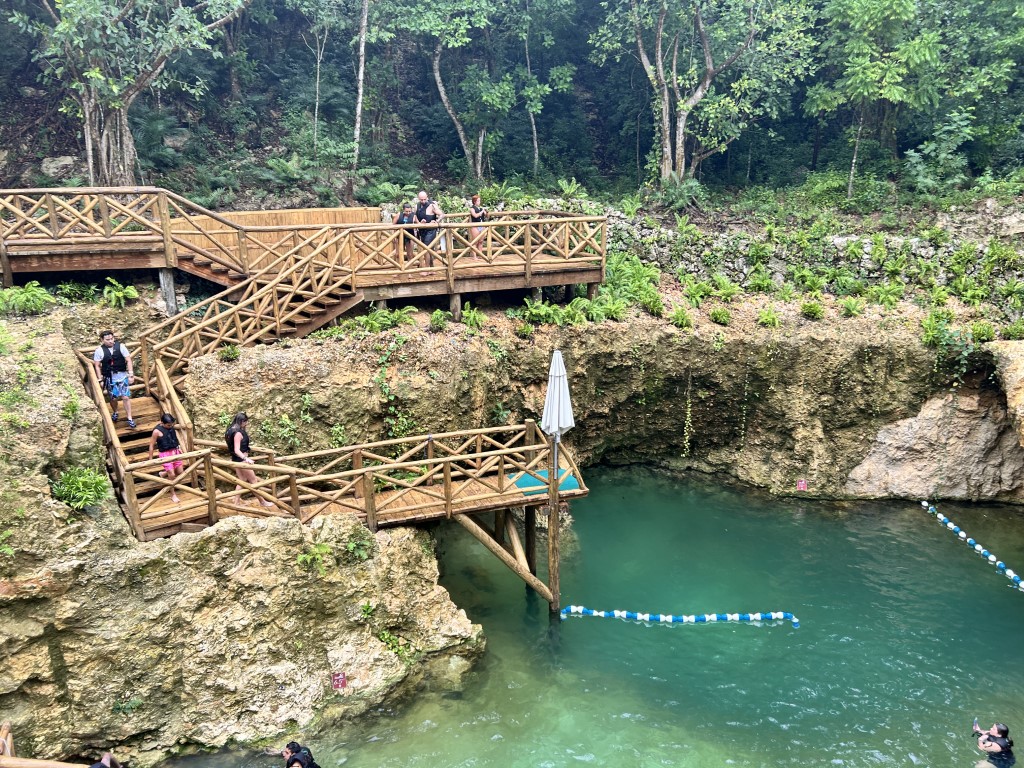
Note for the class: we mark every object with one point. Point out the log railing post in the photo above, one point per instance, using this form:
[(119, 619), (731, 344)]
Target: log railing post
[(528, 248), (243, 252), (370, 501), (448, 489), (52, 210), (5, 263), (164, 211), (357, 464), (211, 487), (449, 263), (293, 487), (430, 463), (104, 207)]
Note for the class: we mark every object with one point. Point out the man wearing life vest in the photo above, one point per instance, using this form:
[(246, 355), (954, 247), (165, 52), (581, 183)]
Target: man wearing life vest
[(113, 364)]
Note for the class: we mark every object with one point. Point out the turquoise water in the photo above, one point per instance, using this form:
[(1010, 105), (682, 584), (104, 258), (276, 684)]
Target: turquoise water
[(905, 636)]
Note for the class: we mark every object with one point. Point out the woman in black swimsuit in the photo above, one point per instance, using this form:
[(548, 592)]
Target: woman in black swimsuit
[(237, 440), (477, 215)]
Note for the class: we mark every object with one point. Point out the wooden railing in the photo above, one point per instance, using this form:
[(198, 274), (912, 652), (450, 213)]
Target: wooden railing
[(155, 217), (391, 481), (264, 307)]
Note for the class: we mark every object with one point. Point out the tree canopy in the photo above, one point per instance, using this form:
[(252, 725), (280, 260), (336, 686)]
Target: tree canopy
[(208, 95)]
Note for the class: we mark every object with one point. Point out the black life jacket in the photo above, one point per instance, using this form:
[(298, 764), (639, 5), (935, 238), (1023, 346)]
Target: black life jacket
[(229, 438), (168, 439), (303, 758), (477, 213), (114, 360), (405, 218), (421, 212)]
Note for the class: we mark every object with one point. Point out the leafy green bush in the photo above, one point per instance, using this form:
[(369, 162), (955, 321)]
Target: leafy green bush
[(439, 320), (6, 340), (472, 317), (1014, 331), (117, 295), (812, 310), (785, 292), (680, 318), (983, 331), (524, 330), (769, 318), (851, 306), (29, 299), (759, 279), (631, 205), (81, 487), (936, 327), (73, 291), (229, 353), (725, 289), (720, 315), (886, 294)]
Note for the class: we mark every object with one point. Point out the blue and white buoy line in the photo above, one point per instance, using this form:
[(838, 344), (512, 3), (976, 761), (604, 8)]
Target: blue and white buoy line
[(698, 618), (1015, 580)]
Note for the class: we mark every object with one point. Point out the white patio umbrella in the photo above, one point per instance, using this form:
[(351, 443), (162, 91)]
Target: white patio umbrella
[(557, 417)]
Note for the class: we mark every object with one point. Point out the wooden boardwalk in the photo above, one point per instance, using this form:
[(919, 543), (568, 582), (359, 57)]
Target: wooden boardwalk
[(286, 274)]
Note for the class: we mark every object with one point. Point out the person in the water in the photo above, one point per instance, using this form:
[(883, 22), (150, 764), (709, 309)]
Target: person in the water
[(997, 743)]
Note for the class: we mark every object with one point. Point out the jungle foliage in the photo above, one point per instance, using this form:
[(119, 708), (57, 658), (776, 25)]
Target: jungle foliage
[(881, 99)]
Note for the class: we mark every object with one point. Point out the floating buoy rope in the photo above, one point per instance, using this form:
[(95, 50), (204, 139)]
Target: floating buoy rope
[(955, 529), (664, 618)]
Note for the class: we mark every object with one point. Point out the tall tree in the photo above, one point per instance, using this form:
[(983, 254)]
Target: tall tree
[(108, 52), (446, 25), (881, 55), (688, 48)]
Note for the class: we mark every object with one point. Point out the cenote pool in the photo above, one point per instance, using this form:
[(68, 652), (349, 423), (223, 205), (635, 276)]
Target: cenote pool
[(905, 636)]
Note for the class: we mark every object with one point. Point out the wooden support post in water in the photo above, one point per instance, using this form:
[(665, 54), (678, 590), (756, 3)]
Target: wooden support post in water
[(531, 539), (553, 550), (480, 535), (499, 526)]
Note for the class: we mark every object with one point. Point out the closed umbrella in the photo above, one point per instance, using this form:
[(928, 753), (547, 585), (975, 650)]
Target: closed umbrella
[(557, 417)]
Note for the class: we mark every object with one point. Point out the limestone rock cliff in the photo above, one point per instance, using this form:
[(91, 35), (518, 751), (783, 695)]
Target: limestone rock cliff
[(841, 406), (200, 640)]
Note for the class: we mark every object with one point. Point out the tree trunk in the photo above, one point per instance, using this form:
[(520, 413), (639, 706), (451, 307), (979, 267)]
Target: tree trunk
[(229, 46), (536, 145), (480, 153), (360, 84), (118, 157), (466, 150), (856, 149)]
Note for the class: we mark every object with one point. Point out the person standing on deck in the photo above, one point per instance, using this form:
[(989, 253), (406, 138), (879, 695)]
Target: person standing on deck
[(165, 439), (403, 217), (237, 440), (427, 212), (113, 364), (477, 215)]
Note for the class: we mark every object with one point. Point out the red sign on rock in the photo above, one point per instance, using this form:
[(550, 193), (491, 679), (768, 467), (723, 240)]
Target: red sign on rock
[(801, 485), (338, 680)]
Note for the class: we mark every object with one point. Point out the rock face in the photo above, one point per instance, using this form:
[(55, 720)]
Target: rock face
[(766, 408), (225, 636), (961, 445)]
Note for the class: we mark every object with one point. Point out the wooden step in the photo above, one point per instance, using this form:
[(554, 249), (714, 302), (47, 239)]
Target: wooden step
[(175, 518)]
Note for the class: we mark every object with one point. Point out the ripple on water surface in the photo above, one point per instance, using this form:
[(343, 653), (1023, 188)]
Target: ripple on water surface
[(905, 636)]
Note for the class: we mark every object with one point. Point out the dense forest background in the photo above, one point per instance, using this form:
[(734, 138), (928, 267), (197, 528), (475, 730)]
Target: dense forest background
[(342, 100)]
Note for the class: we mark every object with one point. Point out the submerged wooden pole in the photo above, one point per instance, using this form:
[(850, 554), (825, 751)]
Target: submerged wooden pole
[(531, 539), (481, 535), (553, 554)]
